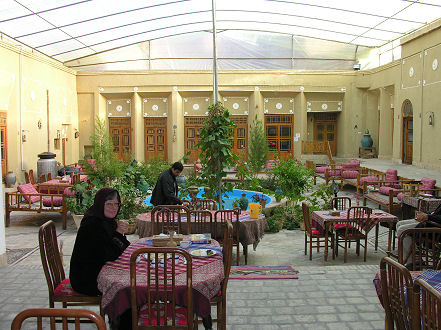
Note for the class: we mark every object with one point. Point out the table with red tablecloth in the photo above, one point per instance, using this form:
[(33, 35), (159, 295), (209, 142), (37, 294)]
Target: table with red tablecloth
[(421, 203), (58, 186), (322, 221), (114, 280), (250, 230)]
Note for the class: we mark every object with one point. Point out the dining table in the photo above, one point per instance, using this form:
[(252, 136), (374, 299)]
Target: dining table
[(423, 203), (58, 185), (208, 273), (251, 230), (323, 221)]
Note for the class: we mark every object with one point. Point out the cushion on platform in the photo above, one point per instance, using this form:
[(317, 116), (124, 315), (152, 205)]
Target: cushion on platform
[(368, 178), (351, 164), (321, 169), (68, 192), (427, 183), (400, 196), (349, 174), (181, 315), (57, 201), (385, 190), (334, 172), (65, 289), (28, 189)]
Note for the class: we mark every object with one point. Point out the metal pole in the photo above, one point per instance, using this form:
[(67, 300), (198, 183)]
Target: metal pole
[(215, 90)]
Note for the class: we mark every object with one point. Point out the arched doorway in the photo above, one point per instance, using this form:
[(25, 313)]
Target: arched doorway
[(407, 113)]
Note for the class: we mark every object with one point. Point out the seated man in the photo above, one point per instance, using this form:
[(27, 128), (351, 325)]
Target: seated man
[(419, 222)]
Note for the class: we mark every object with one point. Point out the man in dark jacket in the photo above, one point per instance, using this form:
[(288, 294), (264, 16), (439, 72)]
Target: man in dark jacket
[(166, 188)]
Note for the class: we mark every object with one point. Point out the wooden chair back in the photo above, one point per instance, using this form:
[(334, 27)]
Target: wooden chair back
[(427, 302), (329, 153), (425, 248), (49, 176), (27, 179), (75, 178), (43, 178), (31, 176), (227, 251), (221, 217), (397, 294), (154, 282), (50, 258), (169, 217), (341, 203), (306, 218), (202, 222), (204, 204), (66, 315), (357, 220)]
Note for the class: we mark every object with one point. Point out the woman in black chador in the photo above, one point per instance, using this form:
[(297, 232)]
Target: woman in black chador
[(100, 239)]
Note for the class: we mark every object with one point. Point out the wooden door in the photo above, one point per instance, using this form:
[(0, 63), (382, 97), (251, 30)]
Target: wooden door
[(407, 139), (240, 135), (3, 143), (120, 133), (193, 126), (278, 129), (155, 138), (324, 131)]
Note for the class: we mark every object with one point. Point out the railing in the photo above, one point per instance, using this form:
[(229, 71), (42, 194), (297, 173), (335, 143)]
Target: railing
[(317, 147)]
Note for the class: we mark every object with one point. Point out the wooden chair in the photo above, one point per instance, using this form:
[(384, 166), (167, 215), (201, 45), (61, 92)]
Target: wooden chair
[(341, 203), (204, 204), (43, 178), (27, 179), (169, 217), (427, 301), (312, 233), (59, 286), (66, 315), (159, 289), (31, 176), (202, 222), (397, 294), (49, 176), (221, 299), (222, 216), (354, 230), (425, 248)]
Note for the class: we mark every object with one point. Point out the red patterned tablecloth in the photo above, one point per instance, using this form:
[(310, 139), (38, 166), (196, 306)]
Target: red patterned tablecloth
[(114, 281), (423, 204), (320, 218), (250, 230)]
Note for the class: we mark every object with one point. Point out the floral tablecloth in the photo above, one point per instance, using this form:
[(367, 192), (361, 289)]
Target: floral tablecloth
[(114, 281)]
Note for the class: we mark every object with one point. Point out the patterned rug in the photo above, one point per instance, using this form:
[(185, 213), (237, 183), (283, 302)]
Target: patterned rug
[(263, 272)]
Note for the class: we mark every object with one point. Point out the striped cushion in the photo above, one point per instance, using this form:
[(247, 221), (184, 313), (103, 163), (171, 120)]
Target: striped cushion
[(427, 183), (321, 169), (26, 189), (368, 178), (339, 226), (315, 232), (65, 289), (349, 174), (57, 201)]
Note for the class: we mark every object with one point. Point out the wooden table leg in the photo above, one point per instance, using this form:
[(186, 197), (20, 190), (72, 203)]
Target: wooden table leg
[(376, 236), (389, 239)]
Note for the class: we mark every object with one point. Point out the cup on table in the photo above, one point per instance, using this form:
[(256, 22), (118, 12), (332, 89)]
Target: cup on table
[(185, 244)]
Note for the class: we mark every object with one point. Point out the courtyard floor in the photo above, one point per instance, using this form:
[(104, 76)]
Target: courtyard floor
[(327, 295)]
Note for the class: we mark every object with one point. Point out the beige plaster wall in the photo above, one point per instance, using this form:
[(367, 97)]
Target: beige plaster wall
[(34, 87)]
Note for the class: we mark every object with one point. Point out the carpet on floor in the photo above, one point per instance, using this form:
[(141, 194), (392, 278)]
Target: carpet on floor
[(263, 272)]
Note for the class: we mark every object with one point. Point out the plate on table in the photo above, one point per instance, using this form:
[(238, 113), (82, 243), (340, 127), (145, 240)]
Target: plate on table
[(203, 252)]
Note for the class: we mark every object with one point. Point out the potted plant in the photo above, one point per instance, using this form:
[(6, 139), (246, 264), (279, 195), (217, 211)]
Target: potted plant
[(278, 194), (80, 202), (261, 199)]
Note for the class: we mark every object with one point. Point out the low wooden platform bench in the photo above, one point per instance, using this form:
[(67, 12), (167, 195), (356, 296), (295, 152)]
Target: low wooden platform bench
[(28, 199)]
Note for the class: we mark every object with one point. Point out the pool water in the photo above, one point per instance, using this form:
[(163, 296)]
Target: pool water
[(227, 201)]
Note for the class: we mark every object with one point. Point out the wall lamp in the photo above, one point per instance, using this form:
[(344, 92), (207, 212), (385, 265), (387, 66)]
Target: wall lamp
[(431, 118), (174, 132)]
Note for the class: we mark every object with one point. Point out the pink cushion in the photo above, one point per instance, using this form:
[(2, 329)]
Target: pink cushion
[(400, 196), (391, 175), (315, 232), (57, 201), (334, 172), (181, 315), (351, 164), (427, 183), (321, 169), (69, 192), (28, 188), (385, 190), (349, 174), (368, 178), (65, 289), (339, 226)]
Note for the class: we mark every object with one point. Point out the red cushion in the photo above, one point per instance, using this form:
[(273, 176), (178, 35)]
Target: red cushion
[(28, 189), (400, 196), (338, 226), (57, 201), (181, 315), (315, 232), (391, 175), (321, 169), (334, 172), (349, 174), (368, 178), (69, 192), (65, 289), (427, 183), (385, 190), (351, 164)]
